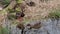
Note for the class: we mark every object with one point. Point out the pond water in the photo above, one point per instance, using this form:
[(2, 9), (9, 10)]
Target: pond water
[(49, 26)]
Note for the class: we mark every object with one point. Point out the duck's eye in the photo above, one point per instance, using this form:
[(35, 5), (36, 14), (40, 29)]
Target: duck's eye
[(31, 3), (22, 14)]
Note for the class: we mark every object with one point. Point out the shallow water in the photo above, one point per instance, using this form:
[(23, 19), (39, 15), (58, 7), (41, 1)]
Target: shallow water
[(49, 26)]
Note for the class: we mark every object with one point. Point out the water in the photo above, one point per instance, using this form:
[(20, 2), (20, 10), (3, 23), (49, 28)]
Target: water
[(49, 26)]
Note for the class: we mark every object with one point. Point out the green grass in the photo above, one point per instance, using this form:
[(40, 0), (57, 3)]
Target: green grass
[(55, 13), (4, 31), (19, 1), (6, 2)]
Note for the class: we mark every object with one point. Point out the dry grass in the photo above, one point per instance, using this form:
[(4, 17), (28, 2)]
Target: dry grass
[(40, 10)]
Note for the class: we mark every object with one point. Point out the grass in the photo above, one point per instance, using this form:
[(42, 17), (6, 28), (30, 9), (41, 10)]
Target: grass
[(55, 13), (19, 1), (4, 31), (7, 1)]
